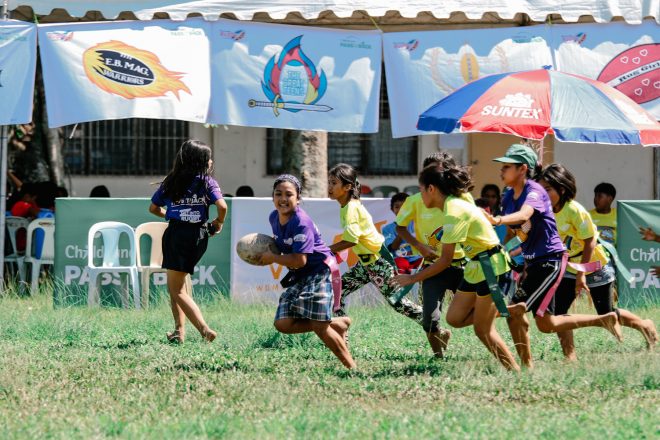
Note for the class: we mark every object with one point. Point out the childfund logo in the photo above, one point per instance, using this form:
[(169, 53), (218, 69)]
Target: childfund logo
[(127, 71)]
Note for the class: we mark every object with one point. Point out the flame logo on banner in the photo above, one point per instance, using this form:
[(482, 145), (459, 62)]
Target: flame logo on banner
[(130, 72), (291, 82)]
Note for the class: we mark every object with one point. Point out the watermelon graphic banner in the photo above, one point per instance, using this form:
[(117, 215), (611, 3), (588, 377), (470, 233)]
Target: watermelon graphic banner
[(303, 78), (111, 70), (626, 57), (18, 59), (424, 67)]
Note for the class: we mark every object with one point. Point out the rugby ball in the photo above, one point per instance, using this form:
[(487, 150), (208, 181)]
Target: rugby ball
[(251, 246), (635, 72)]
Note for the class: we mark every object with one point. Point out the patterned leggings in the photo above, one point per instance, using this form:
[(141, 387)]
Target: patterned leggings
[(378, 273)]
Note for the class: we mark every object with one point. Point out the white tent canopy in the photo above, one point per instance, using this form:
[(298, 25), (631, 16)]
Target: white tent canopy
[(632, 11)]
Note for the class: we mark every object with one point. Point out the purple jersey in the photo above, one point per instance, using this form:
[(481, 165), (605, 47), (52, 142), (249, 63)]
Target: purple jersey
[(300, 236), (194, 205), (542, 238)]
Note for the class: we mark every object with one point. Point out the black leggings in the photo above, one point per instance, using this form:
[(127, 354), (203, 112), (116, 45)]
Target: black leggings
[(433, 293), (602, 296)]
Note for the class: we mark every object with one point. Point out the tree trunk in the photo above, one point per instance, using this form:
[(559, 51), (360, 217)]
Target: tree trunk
[(314, 170), (305, 154)]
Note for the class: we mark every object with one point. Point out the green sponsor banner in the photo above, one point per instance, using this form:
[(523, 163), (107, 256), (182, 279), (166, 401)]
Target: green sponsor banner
[(74, 218), (637, 255)]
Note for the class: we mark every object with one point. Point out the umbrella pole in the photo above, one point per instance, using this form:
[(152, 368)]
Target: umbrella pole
[(3, 200)]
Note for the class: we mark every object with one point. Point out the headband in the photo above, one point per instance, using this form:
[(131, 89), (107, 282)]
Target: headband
[(288, 178)]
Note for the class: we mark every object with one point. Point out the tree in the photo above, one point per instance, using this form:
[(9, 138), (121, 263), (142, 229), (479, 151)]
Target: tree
[(306, 155)]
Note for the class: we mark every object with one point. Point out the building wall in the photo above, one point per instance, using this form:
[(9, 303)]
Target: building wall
[(240, 159)]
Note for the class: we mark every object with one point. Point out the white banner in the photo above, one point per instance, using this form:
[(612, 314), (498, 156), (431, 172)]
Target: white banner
[(303, 78), (424, 67), (112, 70), (624, 56), (251, 284), (18, 59)]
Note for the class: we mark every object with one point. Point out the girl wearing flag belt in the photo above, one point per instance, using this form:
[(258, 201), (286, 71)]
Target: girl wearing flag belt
[(306, 304), (360, 234), (579, 234), (465, 225), (528, 212), (428, 224)]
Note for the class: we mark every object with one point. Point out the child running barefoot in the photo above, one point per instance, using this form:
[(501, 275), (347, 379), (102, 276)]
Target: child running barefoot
[(306, 304), (528, 211), (466, 226), (579, 234), (187, 192), (361, 235), (428, 223)]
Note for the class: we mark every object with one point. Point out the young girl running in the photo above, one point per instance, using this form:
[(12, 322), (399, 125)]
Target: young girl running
[(361, 235), (306, 304), (428, 224), (465, 225), (187, 192), (579, 234), (528, 212)]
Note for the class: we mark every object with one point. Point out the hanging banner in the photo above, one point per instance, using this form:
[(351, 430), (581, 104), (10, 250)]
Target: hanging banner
[(623, 56), (111, 70), (424, 67), (640, 257), (302, 78), (251, 284), (18, 60)]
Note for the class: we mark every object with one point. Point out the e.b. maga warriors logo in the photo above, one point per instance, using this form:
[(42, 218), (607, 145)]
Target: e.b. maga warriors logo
[(130, 72), (291, 82)]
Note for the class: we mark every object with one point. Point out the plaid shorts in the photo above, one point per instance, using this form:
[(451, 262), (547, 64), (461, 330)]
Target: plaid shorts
[(309, 298)]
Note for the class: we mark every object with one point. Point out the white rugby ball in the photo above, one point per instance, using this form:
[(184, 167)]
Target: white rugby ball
[(251, 246)]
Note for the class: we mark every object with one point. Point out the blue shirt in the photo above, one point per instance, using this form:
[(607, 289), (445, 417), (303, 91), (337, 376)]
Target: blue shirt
[(405, 249), (300, 236), (542, 238), (194, 205)]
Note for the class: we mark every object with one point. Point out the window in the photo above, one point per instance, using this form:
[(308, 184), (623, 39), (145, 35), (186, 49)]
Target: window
[(137, 147), (371, 154)]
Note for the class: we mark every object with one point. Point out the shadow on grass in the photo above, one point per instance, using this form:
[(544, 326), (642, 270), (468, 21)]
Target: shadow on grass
[(121, 345)]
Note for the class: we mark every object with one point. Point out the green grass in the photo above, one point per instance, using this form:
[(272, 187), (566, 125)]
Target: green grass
[(82, 373)]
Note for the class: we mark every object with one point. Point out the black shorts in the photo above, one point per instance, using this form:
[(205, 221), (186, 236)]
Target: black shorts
[(433, 293), (602, 297), (539, 277), (481, 288), (183, 245)]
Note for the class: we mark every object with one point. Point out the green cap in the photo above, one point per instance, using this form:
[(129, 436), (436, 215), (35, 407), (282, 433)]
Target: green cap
[(518, 153)]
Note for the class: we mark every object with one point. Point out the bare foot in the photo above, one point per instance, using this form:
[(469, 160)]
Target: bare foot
[(445, 335), (438, 341), (209, 335), (175, 337), (650, 333), (341, 325), (612, 325), (517, 309)]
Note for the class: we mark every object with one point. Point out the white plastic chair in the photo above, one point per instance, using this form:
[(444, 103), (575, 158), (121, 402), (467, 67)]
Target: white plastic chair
[(45, 255), (14, 225), (155, 231), (110, 233)]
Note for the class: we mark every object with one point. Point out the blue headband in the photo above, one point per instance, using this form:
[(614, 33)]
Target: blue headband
[(288, 178)]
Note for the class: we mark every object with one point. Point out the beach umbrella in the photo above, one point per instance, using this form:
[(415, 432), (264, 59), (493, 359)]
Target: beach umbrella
[(533, 104)]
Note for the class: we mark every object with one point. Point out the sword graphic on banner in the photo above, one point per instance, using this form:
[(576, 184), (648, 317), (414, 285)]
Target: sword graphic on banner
[(289, 105)]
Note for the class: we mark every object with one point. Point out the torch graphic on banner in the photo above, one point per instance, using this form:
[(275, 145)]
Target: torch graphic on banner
[(292, 82)]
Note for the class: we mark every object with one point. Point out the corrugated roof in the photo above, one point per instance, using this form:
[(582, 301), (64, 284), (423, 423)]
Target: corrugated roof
[(457, 11)]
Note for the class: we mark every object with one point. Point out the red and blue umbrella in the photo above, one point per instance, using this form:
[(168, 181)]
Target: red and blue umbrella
[(533, 104)]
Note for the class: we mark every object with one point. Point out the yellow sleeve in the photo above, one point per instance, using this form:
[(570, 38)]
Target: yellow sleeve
[(406, 213), (352, 230), (455, 230), (583, 224)]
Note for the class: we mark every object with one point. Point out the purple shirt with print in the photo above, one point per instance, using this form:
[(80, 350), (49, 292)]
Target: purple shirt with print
[(300, 236), (543, 238), (194, 205)]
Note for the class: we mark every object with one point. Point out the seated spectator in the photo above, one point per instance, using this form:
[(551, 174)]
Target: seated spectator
[(62, 192), (245, 191), (100, 191), (403, 254), (26, 205)]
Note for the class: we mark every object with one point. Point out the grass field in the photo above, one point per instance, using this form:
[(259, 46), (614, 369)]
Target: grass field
[(81, 373)]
